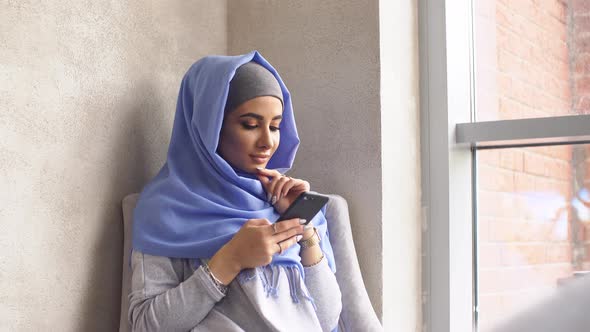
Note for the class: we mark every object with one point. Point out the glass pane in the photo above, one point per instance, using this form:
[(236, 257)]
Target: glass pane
[(533, 225), (532, 58)]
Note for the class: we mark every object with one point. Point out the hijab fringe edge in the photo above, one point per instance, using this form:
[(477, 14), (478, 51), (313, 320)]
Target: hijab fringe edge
[(269, 276)]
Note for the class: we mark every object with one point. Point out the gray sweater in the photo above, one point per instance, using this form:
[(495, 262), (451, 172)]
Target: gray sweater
[(173, 294)]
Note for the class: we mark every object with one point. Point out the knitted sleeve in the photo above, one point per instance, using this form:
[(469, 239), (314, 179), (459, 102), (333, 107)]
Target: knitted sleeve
[(160, 301), (323, 287)]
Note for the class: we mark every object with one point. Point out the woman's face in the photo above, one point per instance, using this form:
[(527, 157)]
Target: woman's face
[(250, 133)]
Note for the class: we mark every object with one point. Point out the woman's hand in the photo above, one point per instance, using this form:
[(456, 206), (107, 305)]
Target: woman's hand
[(281, 190), (254, 245)]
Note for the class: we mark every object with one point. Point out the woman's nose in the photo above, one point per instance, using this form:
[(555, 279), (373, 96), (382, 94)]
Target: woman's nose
[(265, 139)]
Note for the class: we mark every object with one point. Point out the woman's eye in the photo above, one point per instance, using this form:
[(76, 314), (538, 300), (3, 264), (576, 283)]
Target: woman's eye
[(249, 127), (275, 128)]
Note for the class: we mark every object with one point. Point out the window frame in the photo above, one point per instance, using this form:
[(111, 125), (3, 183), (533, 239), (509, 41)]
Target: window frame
[(448, 153), (445, 45), (558, 130)]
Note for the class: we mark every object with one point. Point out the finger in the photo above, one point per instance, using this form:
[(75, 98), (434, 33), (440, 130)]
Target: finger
[(273, 187), (264, 179), (270, 190), (305, 185), (288, 243), (269, 172), (276, 192), (282, 236), (288, 186), (301, 185), (286, 224), (266, 184)]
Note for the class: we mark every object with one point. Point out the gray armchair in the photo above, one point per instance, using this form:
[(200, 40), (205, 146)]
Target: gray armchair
[(357, 311)]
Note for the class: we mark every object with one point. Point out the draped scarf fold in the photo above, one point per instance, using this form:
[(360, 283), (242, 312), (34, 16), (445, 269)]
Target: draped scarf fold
[(197, 201)]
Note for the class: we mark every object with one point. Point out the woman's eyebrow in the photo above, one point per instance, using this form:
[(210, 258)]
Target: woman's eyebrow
[(260, 117)]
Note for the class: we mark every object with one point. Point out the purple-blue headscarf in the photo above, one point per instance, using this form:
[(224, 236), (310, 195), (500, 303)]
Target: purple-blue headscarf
[(197, 201)]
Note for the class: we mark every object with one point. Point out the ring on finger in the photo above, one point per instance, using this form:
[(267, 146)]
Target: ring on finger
[(280, 248)]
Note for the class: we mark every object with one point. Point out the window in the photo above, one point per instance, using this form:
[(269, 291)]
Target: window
[(505, 86)]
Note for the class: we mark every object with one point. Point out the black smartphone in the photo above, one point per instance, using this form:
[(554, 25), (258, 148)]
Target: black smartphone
[(305, 206)]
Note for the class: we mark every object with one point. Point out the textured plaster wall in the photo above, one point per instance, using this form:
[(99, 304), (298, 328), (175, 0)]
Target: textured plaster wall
[(87, 96), (328, 54)]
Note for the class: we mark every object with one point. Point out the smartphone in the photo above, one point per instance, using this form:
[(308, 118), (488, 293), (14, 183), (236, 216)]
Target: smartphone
[(305, 206)]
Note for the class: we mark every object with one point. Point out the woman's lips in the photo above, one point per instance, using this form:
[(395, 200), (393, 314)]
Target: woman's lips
[(260, 159)]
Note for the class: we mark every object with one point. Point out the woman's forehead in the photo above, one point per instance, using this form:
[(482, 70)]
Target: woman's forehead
[(264, 107)]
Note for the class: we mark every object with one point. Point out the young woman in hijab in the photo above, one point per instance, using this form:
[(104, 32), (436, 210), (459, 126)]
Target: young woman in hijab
[(207, 253)]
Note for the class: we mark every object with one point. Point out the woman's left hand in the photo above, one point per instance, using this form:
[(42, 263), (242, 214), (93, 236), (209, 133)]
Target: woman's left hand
[(281, 190)]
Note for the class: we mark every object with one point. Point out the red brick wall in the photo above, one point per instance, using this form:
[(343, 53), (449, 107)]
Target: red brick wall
[(530, 63), (579, 48), (580, 55)]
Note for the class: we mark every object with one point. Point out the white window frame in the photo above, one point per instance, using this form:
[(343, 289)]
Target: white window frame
[(444, 42), (448, 160)]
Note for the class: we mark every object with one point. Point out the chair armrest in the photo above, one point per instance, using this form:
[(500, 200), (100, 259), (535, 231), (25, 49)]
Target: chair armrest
[(357, 311)]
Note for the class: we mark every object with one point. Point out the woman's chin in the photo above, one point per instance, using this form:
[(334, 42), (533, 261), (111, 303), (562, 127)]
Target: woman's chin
[(254, 167), (251, 168)]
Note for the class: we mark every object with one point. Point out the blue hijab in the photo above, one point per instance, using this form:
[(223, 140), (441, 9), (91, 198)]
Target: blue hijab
[(198, 201)]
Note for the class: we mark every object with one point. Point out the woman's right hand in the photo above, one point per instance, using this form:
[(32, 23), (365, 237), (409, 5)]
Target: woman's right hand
[(254, 245)]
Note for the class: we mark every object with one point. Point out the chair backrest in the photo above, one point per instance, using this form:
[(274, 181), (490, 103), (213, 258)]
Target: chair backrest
[(357, 311)]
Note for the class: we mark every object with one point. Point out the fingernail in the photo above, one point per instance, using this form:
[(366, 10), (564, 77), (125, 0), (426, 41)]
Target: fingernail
[(259, 168), (302, 221), (274, 200), (307, 227), (298, 238)]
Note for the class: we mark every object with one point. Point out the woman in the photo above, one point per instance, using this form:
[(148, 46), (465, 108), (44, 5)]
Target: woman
[(207, 255)]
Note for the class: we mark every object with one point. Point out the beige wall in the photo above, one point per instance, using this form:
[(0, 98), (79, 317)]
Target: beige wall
[(87, 96)]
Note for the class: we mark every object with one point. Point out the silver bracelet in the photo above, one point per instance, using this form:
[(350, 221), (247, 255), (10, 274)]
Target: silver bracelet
[(220, 286), (316, 263)]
